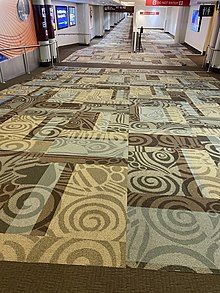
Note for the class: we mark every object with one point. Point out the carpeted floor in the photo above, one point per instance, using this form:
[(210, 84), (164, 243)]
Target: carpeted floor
[(112, 167), (158, 49)]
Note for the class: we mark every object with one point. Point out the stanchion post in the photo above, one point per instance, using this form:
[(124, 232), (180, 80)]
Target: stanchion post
[(58, 52), (51, 53), (26, 62), (2, 75)]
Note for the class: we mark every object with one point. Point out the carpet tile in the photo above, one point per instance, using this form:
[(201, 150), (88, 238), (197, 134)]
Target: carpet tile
[(36, 249), (158, 48), (113, 167), (166, 238)]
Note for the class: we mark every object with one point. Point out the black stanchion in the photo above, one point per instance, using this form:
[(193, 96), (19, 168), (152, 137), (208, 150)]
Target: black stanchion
[(139, 44)]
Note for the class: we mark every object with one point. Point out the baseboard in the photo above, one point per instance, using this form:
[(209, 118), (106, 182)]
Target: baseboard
[(82, 44), (194, 50), (168, 33), (45, 64), (215, 70), (71, 45), (152, 28)]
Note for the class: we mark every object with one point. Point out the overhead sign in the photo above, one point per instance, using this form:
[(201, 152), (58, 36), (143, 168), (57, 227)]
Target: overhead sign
[(206, 10), (195, 21), (111, 8), (72, 16), (62, 17), (167, 2), (114, 8), (149, 12)]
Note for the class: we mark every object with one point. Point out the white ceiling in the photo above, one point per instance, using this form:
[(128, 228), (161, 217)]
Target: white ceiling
[(128, 2), (95, 2), (102, 2)]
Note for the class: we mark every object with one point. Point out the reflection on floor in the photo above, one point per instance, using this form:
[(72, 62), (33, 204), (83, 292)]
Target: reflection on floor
[(159, 49), (85, 150)]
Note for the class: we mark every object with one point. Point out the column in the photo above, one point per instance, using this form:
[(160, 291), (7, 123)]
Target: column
[(181, 26), (112, 20), (41, 31), (107, 22), (50, 27), (135, 31), (99, 21), (214, 40), (83, 23), (215, 62), (115, 18), (167, 18)]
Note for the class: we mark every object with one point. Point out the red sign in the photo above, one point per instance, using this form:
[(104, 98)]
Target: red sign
[(167, 2), (149, 13)]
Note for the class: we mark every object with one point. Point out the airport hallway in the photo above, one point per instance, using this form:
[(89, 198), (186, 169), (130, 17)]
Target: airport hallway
[(107, 164)]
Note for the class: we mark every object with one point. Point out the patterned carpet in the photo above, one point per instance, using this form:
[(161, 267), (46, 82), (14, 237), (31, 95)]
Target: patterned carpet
[(112, 167), (158, 49)]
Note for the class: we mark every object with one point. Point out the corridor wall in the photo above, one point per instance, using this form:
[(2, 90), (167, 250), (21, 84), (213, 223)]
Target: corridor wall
[(16, 26), (67, 36), (197, 39), (156, 21), (17, 29), (89, 23), (96, 21), (171, 20), (99, 21)]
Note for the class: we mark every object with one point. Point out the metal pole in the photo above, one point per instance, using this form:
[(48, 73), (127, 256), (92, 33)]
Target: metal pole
[(2, 76), (138, 42), (26, 65), (204, 60), (28, 69), (58, 52), (135, 42), (24, 61), (132, 43), (50, 44)]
